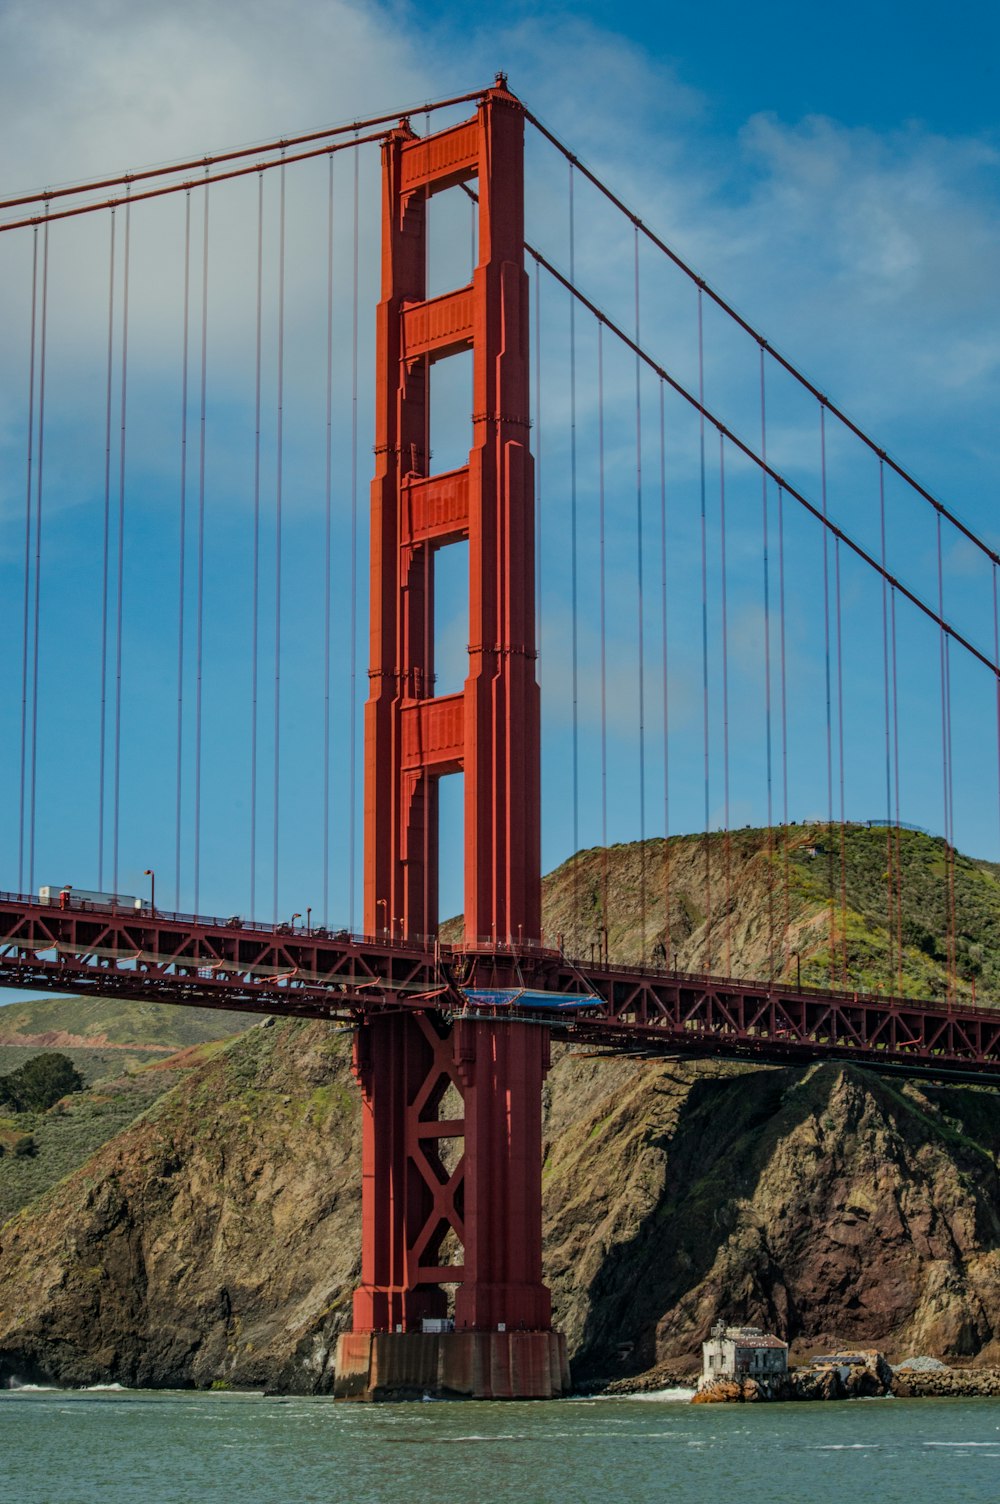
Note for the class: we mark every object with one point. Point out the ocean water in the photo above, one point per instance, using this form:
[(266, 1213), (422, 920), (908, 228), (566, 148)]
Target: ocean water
[(112, 1446)]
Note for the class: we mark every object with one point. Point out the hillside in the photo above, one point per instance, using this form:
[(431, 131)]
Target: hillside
[(104, 1024), (215, 1239), (758, 903), (128, 1053)]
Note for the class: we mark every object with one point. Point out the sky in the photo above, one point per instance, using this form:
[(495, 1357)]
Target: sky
[(834, 175)]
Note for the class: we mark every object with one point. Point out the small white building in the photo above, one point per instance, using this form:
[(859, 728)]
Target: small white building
[(742, 1352)]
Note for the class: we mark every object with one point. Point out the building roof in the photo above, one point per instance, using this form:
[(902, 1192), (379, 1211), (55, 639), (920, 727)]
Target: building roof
[(745, 1336), (759, 1342)]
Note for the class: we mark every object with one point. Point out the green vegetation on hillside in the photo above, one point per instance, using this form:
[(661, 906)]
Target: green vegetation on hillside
[(39, 1083), (95, 1021), (864, 907), (61, 1139)]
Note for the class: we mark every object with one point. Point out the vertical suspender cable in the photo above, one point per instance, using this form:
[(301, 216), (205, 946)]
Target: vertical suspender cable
[(574, 563), (424, 686), (328, 543), (727, 849), (895, 744), (641, 619), (890, 879), (768, 747), (667, 948), (832, 938), (182, 553), (706, 958), (200, 567), (949, 847), (430, 814), (105, 566), (120, 580), (840, 761), (354, 563), (38, 553), (604, 643), (784, 705), (996, 659), (27, 563), (255, 563), (538, 472), (952, 912), (278, 499)]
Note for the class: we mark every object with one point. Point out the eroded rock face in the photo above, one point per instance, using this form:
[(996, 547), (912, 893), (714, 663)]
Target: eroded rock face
[(213, 1242), (829, 1206), (218, 1239)]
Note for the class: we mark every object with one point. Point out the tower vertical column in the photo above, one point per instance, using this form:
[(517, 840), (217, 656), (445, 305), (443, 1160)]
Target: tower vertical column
[(502, 718), (503, 1344)]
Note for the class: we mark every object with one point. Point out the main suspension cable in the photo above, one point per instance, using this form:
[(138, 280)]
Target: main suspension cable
[(101, 205), (126, 179), (775, 475), (754, 334)]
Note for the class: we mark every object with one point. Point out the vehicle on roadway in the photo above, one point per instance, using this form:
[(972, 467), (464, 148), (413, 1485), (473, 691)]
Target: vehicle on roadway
[(88, 898)]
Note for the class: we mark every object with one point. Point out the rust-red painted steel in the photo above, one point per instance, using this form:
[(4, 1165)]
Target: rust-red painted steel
[(491, 730), (216, 964), (754, 334), (490, 1200), (266, 148), (207, 963)]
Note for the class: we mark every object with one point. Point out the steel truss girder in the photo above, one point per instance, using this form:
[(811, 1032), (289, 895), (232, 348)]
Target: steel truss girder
[(217, 964)]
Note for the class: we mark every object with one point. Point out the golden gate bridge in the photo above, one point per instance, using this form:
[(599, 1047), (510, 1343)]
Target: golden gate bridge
[(716, 538)]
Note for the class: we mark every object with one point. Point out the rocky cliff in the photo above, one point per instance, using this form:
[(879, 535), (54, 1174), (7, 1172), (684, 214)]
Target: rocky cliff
[(216, 1239)]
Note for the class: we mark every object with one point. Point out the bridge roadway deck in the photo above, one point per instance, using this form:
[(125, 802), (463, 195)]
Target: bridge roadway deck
[(230, 964)]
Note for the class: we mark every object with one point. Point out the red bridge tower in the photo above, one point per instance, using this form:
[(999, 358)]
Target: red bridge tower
[(475, 1225)]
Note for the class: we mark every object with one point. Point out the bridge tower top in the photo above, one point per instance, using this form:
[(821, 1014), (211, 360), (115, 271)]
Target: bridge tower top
[(489, 731)]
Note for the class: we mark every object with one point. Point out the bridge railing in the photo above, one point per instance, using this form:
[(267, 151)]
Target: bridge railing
[(537, 951)]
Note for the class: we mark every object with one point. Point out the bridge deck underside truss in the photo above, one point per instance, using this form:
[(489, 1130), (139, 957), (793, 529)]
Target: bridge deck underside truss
[(174, 959)]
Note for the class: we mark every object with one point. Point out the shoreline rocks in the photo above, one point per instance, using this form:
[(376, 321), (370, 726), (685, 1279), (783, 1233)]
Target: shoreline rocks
[(946, 1383)]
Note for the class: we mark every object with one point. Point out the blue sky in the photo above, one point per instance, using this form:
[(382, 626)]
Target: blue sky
[(834, 175)]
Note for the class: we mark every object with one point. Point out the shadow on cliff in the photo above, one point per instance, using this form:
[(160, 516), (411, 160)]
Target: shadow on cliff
[(706, 1249)]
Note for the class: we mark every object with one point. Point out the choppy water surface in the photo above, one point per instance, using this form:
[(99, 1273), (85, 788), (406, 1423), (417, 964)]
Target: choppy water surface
[(106, 1447)]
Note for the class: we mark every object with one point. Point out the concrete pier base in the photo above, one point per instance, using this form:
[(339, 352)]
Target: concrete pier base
[(451, 1365)]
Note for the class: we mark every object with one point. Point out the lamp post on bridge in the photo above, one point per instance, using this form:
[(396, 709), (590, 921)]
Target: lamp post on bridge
[(152, 888)]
